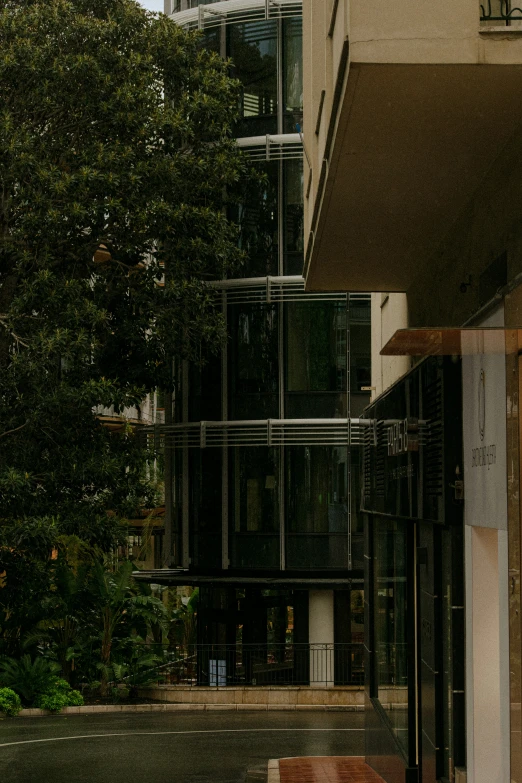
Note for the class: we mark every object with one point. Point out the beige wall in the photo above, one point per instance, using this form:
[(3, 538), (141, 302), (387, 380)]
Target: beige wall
[(321, 631), (489, 226), (368, 32), (487, 670), (389, 313)]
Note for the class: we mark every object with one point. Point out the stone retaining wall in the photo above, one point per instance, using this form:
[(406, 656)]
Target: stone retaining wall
[(250, 697)]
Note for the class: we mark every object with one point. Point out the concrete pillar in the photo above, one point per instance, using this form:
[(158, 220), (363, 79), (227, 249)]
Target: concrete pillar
[(321, 637), (487, 666)]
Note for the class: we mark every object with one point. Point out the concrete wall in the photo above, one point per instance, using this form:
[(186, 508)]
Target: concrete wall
[(321, 632), (490, 225), (487, 665), (267, 698), (335, 35), (389, 313)]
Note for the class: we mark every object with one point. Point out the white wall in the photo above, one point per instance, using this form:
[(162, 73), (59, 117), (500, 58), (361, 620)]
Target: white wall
[(487, 656), (321, 633), (389, 313), (486, 557)]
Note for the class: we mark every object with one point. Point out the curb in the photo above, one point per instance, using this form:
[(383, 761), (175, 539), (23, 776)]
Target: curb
[(273, 771), (91, 709)]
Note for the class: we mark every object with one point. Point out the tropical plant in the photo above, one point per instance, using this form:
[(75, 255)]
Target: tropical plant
[(117, 608), (183, 622), (60, 631), (138, 666), (10, 703), (28, 678)]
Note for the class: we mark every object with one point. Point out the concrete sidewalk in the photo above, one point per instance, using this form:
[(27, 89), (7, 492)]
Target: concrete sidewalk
[(322, 769)]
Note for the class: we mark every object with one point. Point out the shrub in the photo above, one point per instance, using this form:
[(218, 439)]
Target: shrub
[(10, 702), (74, 699), (28, 678), (61, 685), (53, 701), (59, 696)]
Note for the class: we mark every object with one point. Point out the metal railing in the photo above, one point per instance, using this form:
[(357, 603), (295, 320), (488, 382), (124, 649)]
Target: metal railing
[(261, 664), (289, 288), (503, 11), (260, 432), (207, 15)]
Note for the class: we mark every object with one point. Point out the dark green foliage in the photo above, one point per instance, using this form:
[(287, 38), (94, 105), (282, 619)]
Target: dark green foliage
[(10, 703), (115, 130), (28, 678), (58, 696)]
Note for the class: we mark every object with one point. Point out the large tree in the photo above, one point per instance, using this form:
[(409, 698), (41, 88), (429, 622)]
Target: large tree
[(115, 154)]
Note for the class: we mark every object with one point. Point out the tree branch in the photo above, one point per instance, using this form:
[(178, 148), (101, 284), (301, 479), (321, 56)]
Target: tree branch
[(16, 429)]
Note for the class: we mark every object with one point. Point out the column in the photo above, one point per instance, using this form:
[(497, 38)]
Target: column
[(321, 637)]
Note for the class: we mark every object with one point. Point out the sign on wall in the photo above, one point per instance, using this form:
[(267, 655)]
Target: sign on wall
[(484, 430), (410, 464)]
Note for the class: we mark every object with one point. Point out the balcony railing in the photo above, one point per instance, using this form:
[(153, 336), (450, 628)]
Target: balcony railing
[(261, 664), (261, 432), (206, 15), (500, 11)]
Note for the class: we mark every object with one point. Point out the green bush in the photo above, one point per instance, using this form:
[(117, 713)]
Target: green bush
[(28, 678), (61, 685), (10, 702), (74, 699), (54, 701), (59, 696)]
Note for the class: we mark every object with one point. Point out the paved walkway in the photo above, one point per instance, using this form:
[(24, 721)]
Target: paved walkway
[(327, 769)]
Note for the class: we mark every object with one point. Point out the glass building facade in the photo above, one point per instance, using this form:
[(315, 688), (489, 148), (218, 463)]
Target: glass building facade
[(265, 466)]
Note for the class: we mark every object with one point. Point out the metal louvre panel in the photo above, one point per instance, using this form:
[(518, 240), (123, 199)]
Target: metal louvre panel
[(288, 289), (283, 146), (262, 432), (235, 11)]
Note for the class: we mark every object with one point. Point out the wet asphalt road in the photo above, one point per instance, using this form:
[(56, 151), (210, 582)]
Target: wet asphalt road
[(208, 747)]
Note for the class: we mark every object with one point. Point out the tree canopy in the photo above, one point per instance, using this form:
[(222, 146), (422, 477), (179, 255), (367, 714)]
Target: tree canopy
[(116, 151)]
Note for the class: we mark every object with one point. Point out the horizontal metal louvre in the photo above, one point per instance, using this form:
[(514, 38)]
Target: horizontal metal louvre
[(288, 289), (262, 432), (283, 146), (235, 11)]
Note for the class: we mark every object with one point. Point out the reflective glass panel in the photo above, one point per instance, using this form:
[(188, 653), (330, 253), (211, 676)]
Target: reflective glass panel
[(293, 217), (256, 216), (391, 649), (316, 507), (293, 73), (253, 49), (315, 353), (253, 362), (254, 508), (205, 506), (205, 391)]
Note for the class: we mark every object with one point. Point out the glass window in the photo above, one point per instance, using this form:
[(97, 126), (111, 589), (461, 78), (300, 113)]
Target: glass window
[(256, 216), (254, 508), (293, 217), (253, 362), (293, 73), (391, 642), (315, 353), (316, 507), (205, 391), (253, 49), (205, 506)]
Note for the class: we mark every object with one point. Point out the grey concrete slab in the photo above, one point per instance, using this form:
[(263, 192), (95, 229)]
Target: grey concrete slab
[(163, 747)]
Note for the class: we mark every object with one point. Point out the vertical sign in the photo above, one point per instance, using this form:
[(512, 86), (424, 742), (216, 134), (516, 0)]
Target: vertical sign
[(484, 428)]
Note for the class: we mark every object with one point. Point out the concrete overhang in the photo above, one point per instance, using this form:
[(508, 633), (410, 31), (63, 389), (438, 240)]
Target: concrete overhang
[(413, 143)]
